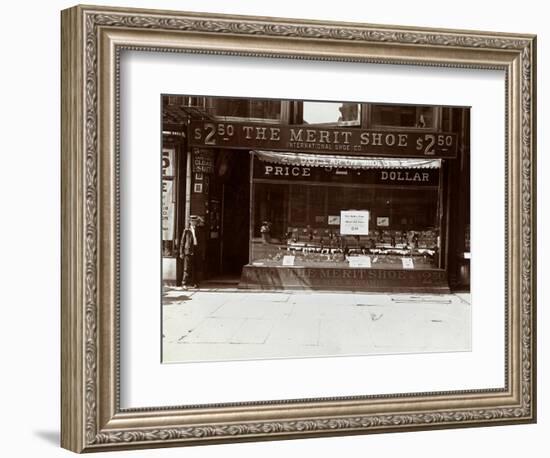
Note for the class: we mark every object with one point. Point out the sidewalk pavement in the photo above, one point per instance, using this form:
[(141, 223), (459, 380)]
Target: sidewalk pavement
[(232, 324)]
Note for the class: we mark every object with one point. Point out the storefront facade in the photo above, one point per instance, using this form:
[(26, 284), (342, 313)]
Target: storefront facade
[(376, 199)]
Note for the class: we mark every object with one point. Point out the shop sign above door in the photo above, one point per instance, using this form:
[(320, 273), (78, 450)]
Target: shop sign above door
[(305, 138)]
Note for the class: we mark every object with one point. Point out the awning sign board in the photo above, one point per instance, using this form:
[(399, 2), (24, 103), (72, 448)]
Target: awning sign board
[(312, 139)]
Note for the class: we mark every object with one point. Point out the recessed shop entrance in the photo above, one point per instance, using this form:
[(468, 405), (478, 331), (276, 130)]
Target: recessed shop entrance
[(236, 214), (227, 249)]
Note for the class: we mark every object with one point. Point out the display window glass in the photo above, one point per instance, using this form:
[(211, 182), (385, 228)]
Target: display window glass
[(365, 215)]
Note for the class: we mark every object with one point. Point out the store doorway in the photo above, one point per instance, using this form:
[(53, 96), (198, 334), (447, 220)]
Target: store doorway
[(234, 252)]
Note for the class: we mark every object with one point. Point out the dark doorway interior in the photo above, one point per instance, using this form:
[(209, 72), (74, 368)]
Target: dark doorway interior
[(236, 212)]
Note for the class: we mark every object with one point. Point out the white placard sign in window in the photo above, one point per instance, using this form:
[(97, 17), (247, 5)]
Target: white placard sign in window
[(354, 222), (383, 221), (359, 261), (407, 263), (288, 260)]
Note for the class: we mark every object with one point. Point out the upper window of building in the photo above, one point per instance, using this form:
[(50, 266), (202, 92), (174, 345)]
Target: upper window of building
[(402, 116), (332, 114), (246, 108)]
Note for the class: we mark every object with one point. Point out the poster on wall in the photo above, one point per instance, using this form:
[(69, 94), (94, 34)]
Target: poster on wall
[(354, 222), (168, 162), (168, 208)]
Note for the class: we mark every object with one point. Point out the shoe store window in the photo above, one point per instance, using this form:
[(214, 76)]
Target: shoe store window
[(313, 210)]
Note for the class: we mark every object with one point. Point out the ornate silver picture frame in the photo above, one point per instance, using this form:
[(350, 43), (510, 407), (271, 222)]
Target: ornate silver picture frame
[(93, 40)]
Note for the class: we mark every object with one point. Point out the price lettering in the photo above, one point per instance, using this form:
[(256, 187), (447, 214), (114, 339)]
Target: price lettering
[(212, 131), (428, 142)]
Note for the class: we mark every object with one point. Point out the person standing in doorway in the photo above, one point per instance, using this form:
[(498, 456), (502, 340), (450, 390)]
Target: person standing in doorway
[(187, 252)]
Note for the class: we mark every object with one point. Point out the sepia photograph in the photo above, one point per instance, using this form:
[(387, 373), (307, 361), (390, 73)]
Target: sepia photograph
[(302, 228)]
